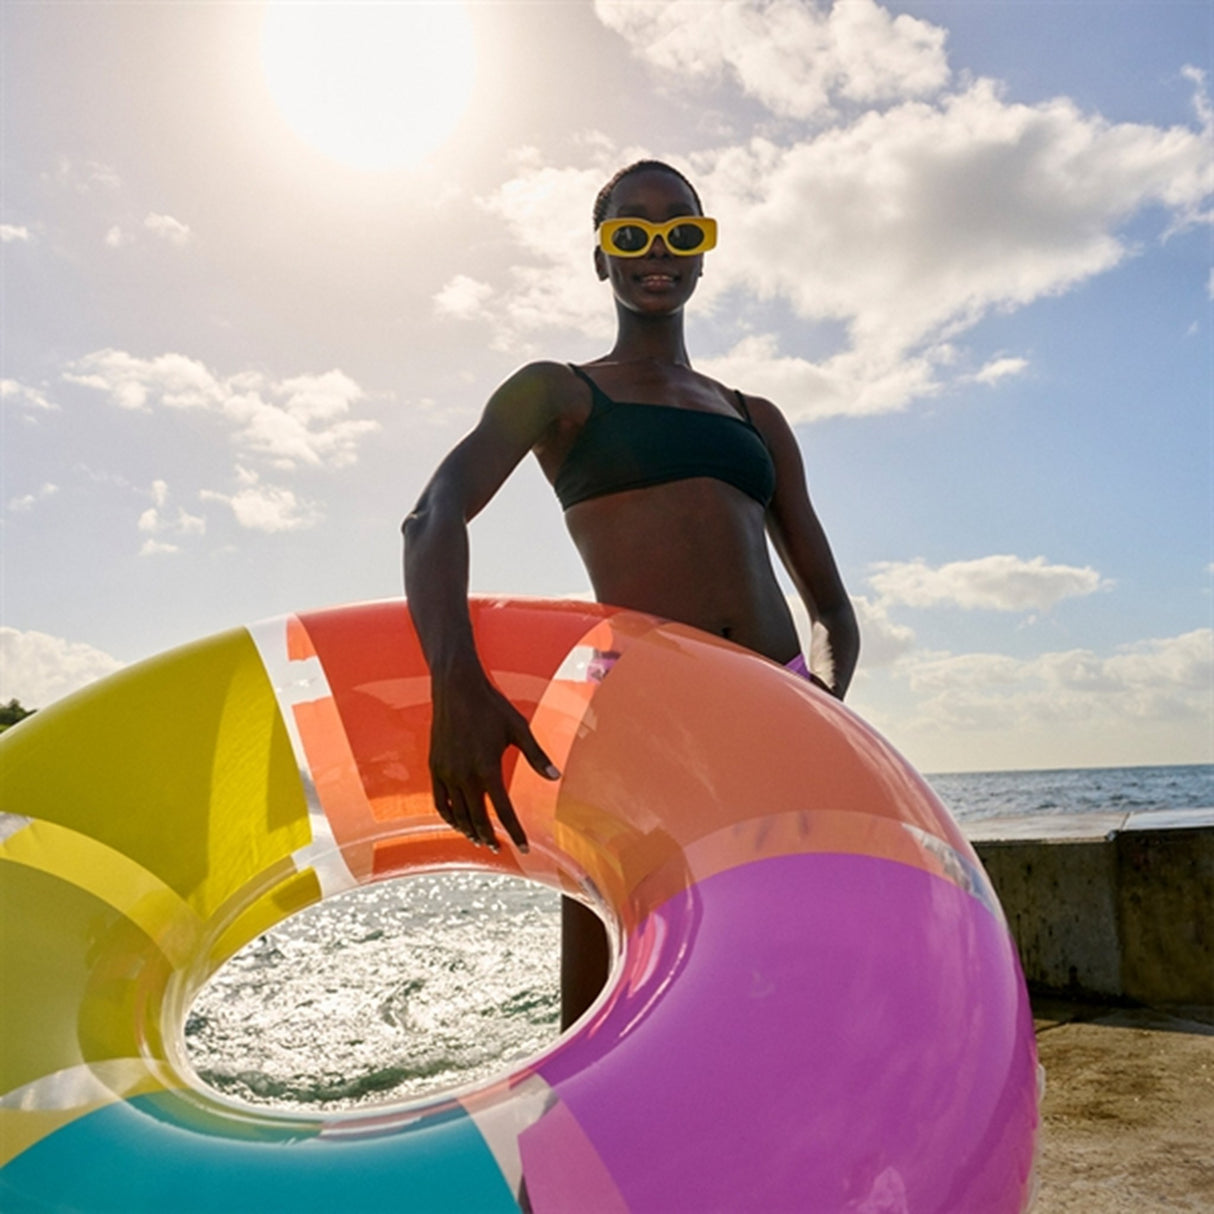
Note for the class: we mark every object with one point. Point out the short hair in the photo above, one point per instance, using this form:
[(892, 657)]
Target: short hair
[(603, 199)]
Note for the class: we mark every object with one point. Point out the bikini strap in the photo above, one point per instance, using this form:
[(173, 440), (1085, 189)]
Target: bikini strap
[(742, 406), (598, 398)]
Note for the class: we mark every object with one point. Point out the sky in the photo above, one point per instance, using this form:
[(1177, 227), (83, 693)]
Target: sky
[(965, 245)]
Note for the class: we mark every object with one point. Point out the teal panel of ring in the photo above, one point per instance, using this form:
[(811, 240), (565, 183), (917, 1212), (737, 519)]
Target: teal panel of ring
[(128, 1158)]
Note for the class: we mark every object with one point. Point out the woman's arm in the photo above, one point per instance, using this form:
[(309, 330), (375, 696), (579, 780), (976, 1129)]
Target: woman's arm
[(801, 542), (473, 722)]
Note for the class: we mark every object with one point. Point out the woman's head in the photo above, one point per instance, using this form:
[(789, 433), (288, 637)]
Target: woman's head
[(651, 257), (602, 203)]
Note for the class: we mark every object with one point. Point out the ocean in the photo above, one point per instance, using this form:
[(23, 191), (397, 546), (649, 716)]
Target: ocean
[(400, 989)]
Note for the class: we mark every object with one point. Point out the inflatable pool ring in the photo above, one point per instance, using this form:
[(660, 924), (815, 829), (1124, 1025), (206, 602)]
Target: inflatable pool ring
[(815, 1004)]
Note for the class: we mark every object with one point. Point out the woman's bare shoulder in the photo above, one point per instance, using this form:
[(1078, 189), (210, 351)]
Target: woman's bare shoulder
[(761, 407), (533, 398), (544, 377), (766, 415)]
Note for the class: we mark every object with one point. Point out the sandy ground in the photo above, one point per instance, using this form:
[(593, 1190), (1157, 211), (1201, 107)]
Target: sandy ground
[(1128, 1111)]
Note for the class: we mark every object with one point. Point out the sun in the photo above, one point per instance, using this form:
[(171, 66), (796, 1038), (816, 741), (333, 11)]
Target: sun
[(373, 85)]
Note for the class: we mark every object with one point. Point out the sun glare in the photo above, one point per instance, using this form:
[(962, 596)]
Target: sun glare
[(373, 85)]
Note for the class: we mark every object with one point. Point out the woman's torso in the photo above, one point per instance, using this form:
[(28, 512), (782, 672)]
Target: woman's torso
[(692, 548)]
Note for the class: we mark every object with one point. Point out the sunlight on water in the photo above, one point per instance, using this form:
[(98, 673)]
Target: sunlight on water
[(384, 994)]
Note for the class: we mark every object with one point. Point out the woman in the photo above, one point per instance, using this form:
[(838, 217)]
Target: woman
[(671, 485)]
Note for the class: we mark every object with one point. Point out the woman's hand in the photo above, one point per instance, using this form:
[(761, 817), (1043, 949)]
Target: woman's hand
[(473, 726)]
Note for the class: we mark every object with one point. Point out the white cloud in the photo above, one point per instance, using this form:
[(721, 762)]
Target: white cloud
[(116, 238), (910, 225), (797, 58), (992, 583), (168, 228), (10, 232), (37, 668), (883, 642), (306, 425), (463, 298), (269, 508), (299, 420), (958, 673), (853, 383), (1000, 368), (84, 176), (1185, 662), (1158, 681), (1201, 98), (29, 500), (15, 393), (156, 523), (171, 380)]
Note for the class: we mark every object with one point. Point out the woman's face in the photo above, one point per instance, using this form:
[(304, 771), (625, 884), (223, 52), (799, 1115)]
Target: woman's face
[(659, 282)]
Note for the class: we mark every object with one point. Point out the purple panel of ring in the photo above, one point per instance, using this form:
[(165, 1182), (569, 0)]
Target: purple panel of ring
[(853, 1081)]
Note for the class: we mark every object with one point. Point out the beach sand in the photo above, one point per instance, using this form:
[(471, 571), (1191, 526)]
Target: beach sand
[(1128, 1111)]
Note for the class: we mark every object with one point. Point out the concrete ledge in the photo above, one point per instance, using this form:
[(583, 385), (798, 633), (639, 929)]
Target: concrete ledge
[(1126, 915)]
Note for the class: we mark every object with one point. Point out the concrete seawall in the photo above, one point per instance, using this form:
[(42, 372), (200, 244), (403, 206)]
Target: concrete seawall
[(1108, 906)]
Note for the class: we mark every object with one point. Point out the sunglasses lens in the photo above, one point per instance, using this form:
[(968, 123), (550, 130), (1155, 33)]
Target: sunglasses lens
[(686, 237), (629, 238)]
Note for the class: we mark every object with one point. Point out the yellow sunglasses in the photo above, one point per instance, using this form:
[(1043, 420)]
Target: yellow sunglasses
[(684, 237)]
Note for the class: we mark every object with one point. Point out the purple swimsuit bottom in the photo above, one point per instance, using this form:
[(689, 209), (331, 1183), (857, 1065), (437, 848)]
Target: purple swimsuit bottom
[(799, 666)]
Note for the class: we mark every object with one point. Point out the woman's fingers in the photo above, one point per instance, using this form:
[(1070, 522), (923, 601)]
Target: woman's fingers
[(524, 739), (482, 827), (442, 800), (506, 815), (463, 814), (465, 810), (471, 817)]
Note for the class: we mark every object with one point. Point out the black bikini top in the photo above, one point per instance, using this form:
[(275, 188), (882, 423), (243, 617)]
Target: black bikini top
[(626, 445)]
